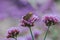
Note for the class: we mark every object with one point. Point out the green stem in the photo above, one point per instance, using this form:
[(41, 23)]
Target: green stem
[(31, 33), (46, 32), (15, 37)]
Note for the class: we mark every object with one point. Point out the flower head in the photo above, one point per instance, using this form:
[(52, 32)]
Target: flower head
[(37, 33), (50, 20), (29, 19), (28, 37), (13, 32)]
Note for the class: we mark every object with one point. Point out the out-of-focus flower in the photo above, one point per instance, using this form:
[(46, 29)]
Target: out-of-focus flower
[(50, 20), (12, 32), (28, 37), (37, 33), (21, 38), (29, 19)]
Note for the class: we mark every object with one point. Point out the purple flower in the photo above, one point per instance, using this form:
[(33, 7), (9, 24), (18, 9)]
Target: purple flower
[(50, 20), (12, 32), (37, 33), (21, 38), (29, 19), (28, 37)]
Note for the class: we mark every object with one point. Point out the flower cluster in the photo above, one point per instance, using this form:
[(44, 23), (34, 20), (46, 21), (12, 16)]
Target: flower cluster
[(37, 33), (13, 32), (29, 19), (50, 20)]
